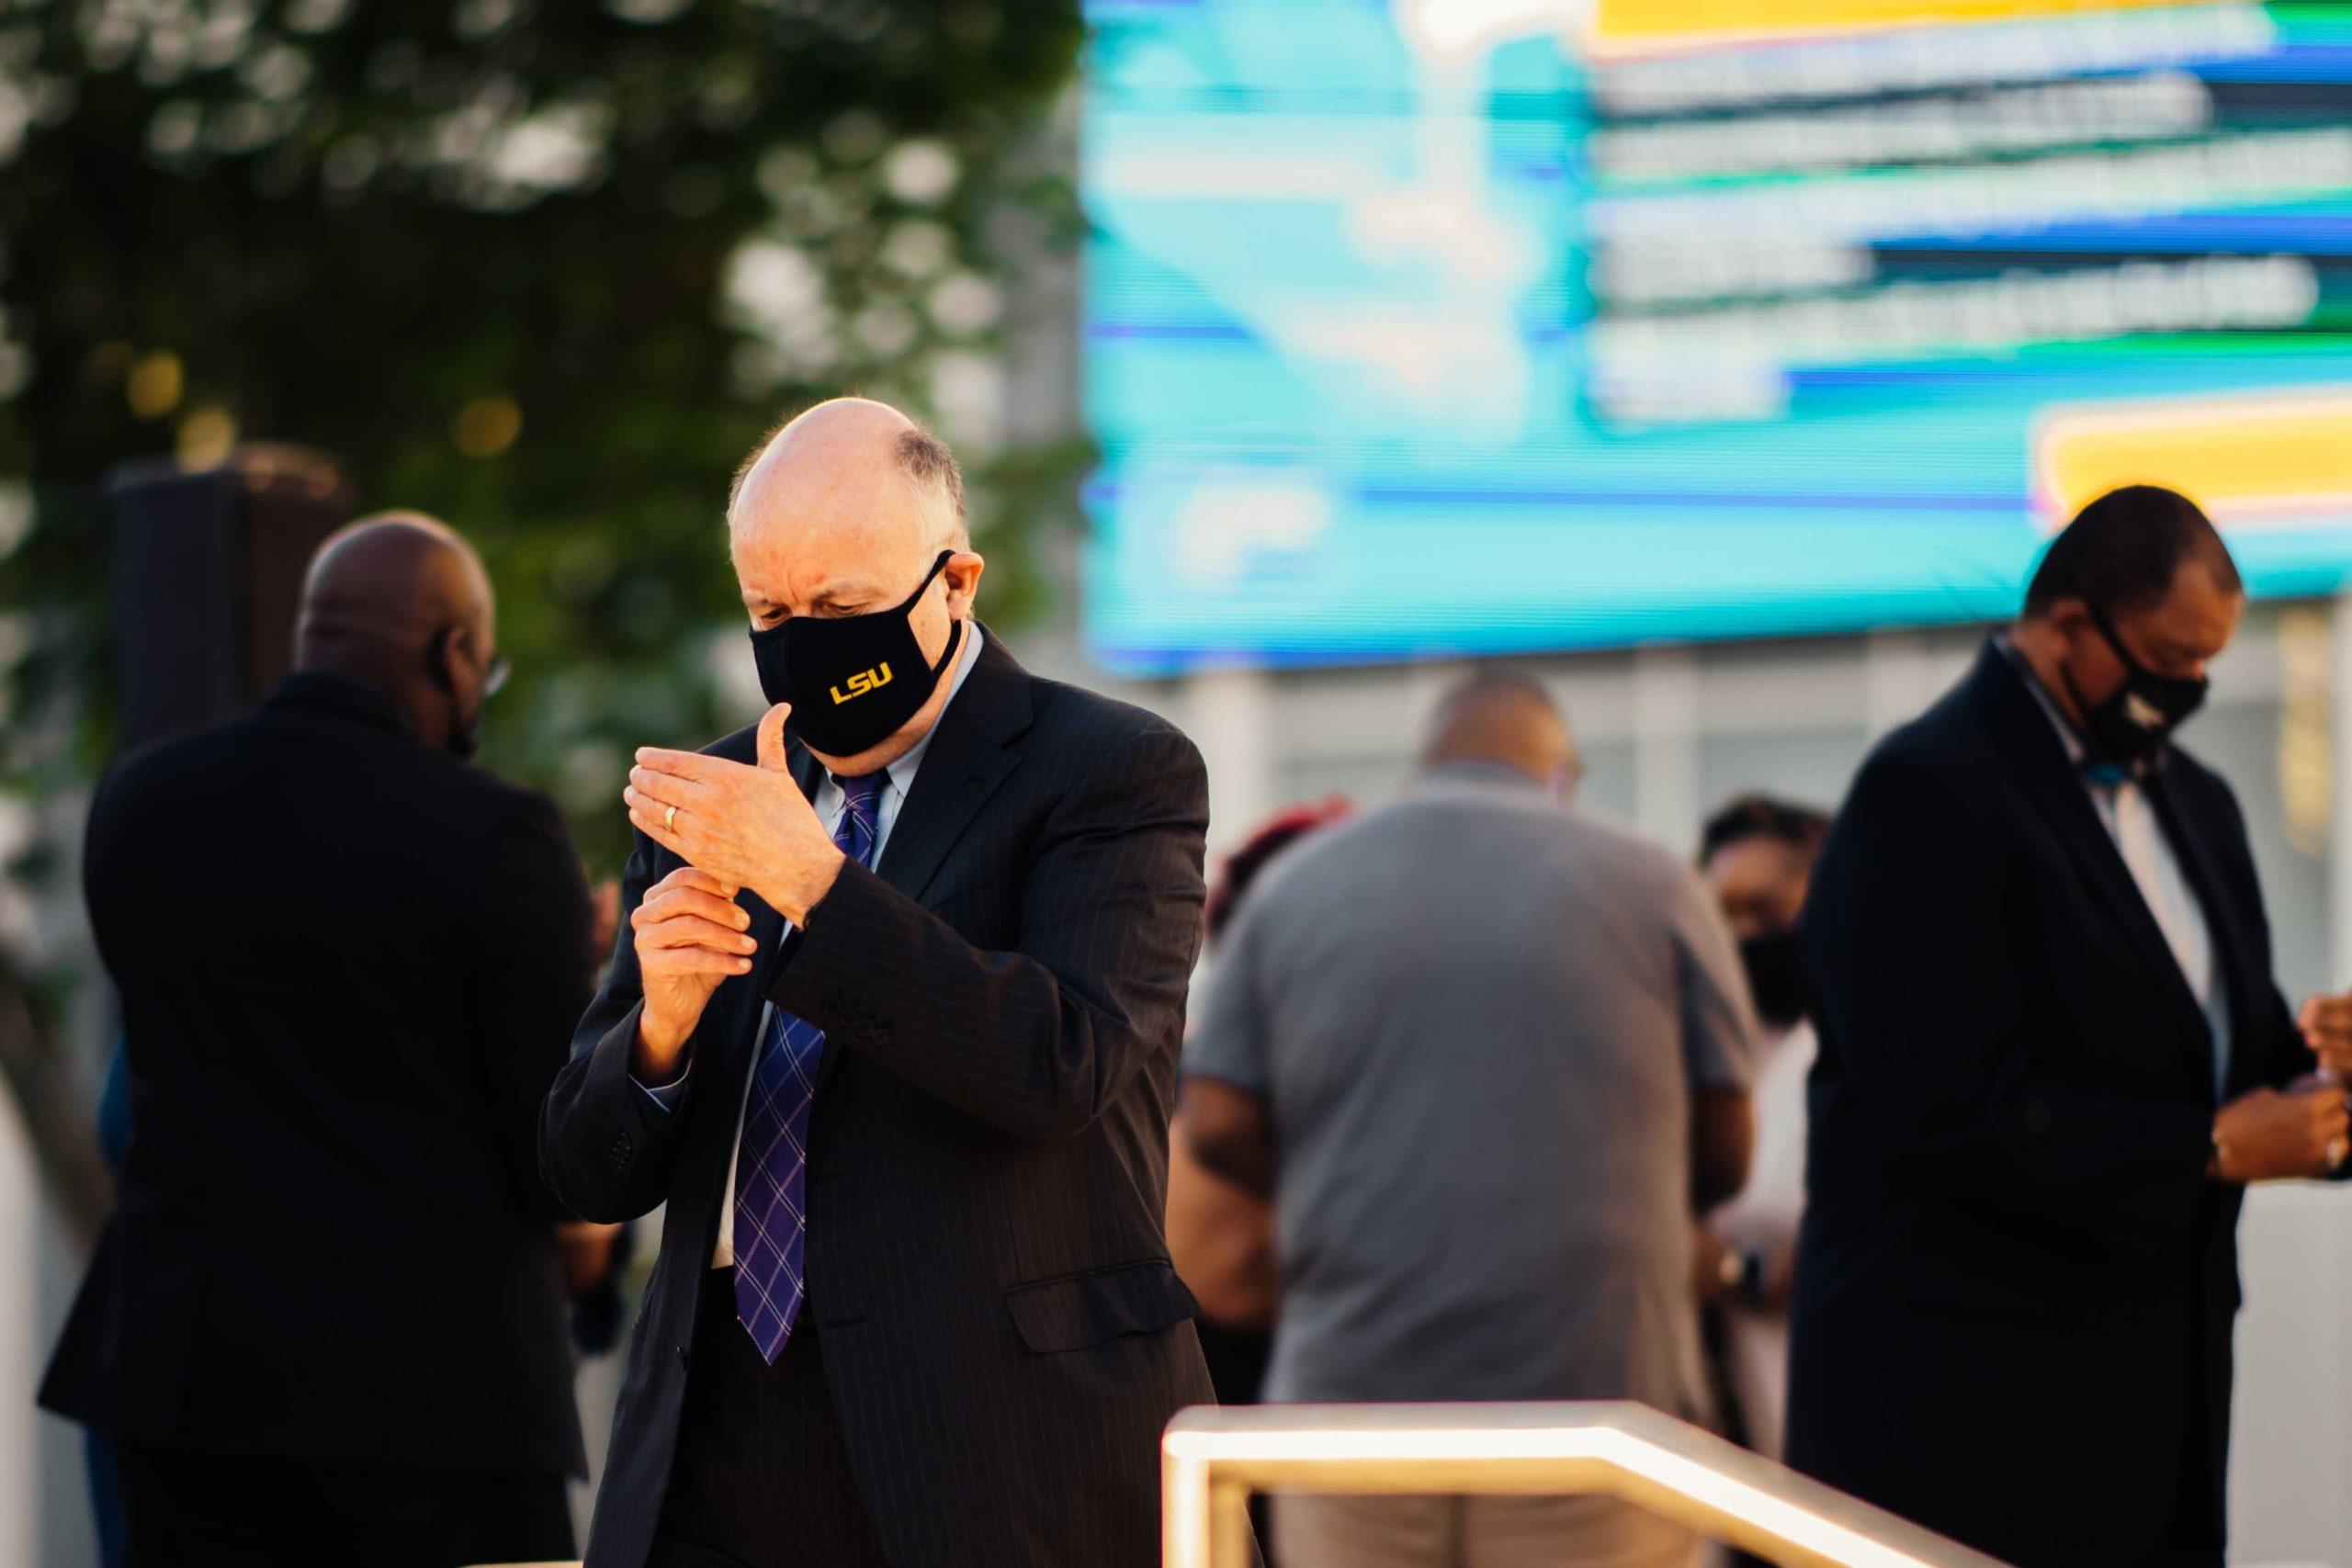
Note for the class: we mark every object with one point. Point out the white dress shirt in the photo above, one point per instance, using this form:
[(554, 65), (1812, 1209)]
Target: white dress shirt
[(897, 780), (2131, 818)]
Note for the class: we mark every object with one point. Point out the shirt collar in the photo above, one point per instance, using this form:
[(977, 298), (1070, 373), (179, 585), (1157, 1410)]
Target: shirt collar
[(1473, 775)]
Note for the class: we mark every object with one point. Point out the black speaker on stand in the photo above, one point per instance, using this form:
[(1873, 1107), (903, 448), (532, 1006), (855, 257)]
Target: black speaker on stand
[(204, 574)]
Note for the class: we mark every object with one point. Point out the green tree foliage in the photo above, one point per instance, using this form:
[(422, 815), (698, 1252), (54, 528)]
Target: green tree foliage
[(547, 270)]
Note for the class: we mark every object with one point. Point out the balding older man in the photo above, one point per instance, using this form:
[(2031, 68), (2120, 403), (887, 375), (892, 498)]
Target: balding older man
[(894, 1035), (326, 1323)]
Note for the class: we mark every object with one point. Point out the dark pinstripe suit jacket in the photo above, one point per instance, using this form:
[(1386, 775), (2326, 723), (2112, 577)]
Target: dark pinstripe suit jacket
[(1003, 998)]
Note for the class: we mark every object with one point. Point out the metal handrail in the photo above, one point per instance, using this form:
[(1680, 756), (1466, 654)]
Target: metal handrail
[(1212, 1458)]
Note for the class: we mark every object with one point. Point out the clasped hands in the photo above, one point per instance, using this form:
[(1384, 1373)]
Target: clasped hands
[(2304, 1131), (736, 826)]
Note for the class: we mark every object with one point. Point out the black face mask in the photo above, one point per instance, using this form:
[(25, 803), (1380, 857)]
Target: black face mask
[(2133, 724), (1775, 977), (852, 680)]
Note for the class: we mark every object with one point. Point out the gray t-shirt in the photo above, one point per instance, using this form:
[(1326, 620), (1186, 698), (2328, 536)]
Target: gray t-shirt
[(1477, 1017)]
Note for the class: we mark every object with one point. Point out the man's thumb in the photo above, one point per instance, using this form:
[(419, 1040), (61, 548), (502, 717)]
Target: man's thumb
[(771, 736)]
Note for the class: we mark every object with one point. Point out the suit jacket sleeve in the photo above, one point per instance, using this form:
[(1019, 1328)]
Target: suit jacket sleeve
[(2280, 1054), (605, 1146), (1039, 1040), (537, 971), (1920, 985), (2277, 1053)]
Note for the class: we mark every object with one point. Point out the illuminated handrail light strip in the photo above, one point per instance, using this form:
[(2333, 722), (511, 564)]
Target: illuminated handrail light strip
[(1622, 1450), (1213, 1458)]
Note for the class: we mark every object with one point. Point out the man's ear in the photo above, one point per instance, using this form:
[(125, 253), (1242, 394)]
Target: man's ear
[(453, 645), (963, 574), (2070, 617), (441, 658)]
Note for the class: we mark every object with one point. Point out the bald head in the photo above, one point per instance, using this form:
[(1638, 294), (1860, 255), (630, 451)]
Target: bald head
[(1504, 720), (400, 603), (852, 452)]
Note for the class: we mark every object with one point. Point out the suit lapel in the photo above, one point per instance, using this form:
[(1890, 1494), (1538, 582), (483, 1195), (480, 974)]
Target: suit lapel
[(971, 752), (806, 772), (2056, 787)]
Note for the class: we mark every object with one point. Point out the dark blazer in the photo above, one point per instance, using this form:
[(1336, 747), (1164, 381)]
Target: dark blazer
[(2015, 1284), (1003, 1333), (348, 965)]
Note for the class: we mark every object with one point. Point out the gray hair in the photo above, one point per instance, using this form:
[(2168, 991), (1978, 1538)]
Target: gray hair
[(925, 460)]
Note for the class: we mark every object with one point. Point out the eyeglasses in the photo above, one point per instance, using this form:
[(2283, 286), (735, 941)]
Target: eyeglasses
[(493, 678)]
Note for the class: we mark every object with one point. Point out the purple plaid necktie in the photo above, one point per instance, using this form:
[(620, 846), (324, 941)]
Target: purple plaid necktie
[(771, 1165)]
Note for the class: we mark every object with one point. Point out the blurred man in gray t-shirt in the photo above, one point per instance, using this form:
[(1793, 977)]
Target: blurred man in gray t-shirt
[(1490, 1056)]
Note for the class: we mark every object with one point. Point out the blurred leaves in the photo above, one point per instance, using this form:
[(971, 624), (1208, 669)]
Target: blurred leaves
[(546, 270)]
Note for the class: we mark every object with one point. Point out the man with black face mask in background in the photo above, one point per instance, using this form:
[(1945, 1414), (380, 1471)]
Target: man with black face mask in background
[(2051, 1056), (894, 1033), (327, 1321), (1757, 855)]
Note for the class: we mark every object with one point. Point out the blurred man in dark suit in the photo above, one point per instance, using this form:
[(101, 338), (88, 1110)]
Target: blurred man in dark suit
[(2051, 1056), (894, 1033), (327, 1321)]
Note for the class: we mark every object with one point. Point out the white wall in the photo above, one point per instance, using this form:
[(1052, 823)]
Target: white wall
[(2289, 1501), (21, 1354)]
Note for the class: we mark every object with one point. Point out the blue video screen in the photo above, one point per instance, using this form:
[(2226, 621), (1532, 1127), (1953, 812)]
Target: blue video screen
[(1436, 327)]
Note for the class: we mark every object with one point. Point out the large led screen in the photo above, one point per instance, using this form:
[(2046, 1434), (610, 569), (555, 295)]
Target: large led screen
[(1449, 326)]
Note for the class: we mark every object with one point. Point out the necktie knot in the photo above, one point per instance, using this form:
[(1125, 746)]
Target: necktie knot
[(860, 791), (858, 826)]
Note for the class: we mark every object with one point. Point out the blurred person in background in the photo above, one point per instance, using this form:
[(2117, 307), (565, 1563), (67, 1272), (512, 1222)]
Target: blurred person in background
[(1757, 855), (1220, 1234), (1489, 1056), (327, 1320), (596, 1257), (894, 1035), (2051, 1057), (98, 1444)]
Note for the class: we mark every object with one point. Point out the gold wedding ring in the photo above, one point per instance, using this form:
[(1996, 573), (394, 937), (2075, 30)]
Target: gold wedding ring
[(2337, 1149), (669, 818)]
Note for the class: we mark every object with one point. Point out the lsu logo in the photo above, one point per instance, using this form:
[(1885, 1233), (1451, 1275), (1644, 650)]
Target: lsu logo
[(865, 680)]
